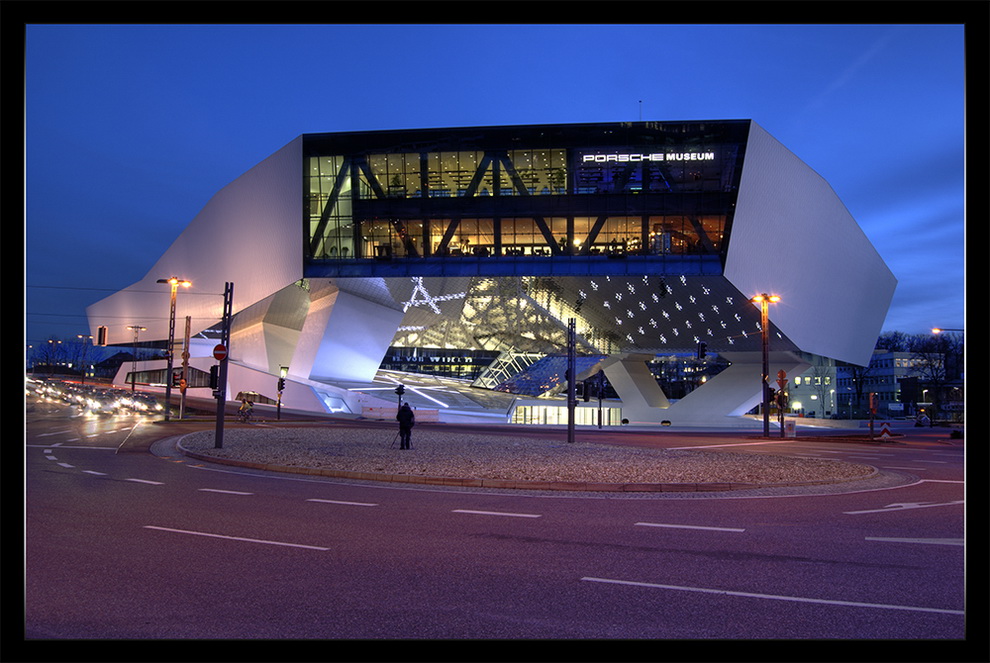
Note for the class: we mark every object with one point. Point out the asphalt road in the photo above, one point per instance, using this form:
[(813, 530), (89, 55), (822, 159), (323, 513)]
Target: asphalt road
[(129, 541)]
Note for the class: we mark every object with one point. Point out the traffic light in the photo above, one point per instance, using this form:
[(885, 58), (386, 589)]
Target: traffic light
[(214, 376), (176, 377), (702, 349), (401, 389), (781, 398), (281, 384)]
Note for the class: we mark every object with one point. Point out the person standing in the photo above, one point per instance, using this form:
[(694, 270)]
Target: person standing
[(406, 420)]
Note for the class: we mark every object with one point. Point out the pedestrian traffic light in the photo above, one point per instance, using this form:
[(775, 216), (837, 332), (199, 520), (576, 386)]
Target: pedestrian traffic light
[(281, 384), (214, 376), (176, 376)]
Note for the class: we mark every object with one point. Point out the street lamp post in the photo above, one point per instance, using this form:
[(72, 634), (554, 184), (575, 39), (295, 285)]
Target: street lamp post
[(51, 355), (82, 361), (764, 300), (137, 330), (174, 282)]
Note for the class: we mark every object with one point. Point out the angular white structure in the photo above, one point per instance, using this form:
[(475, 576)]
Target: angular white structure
[(651, 236)]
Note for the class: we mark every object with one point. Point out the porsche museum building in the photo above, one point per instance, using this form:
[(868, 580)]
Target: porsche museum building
[(459, 262)]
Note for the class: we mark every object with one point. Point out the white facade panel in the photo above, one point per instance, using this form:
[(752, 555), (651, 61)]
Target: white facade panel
[(248, 234), (792, 236)]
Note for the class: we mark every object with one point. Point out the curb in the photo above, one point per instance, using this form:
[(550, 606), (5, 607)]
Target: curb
[(577, 486)]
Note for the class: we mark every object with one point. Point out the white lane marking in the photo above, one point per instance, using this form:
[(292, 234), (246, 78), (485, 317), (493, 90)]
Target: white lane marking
[(938, 542), (60, 445), (728, 444), (56, 432), (235, 538), (225, 492), (901, 506), (51, 458), (48, 451), (341, 502), (799, 599), (66, 465), (102, 474), (714, 529), (498, 513), (154, 483), (901, 467)]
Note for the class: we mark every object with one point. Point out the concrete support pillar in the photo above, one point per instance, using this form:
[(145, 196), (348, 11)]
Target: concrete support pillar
[(642, 398)]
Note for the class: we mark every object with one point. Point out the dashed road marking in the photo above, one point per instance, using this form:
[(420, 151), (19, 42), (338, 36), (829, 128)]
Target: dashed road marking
[(235, 538), (341, 502), (498, 513), (799, 599), (714, 529)]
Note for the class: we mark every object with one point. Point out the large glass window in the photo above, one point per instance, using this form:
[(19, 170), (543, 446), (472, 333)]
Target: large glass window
[(330, 221), (396, 174), (656, 199), (474, 237), (686, 234), (541, 172), (522, 237)]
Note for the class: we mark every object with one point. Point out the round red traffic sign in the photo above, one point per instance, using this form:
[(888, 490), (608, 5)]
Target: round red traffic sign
[(220, 352)]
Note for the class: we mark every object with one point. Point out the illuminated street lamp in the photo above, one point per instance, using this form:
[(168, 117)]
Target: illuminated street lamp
[(174, 282), (764, 300), (939, 330)]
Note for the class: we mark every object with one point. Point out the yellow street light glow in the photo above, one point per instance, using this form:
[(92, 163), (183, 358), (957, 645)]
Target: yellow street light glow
[(759, 299), (176, 281)]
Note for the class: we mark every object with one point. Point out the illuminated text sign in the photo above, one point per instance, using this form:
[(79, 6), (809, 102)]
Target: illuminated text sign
[(654, 156)]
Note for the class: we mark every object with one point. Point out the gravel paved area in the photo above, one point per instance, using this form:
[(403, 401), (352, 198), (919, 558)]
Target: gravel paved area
[(438, 453)]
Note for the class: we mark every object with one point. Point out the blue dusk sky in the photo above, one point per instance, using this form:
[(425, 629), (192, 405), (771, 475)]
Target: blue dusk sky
[(130, 129)]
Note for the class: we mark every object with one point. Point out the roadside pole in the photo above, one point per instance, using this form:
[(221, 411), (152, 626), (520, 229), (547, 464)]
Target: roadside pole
[(184, 380), (220, 353), (571, 379), (781, 398)]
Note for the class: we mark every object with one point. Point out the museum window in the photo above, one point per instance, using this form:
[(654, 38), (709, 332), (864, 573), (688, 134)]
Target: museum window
[(542, 172), (398, 175), (619, 234), (473, 237), (331, 231)]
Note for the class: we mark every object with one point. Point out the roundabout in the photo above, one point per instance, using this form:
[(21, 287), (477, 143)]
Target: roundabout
[(491, 460)]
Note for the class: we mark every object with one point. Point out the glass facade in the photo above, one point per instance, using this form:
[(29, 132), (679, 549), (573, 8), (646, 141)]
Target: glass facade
[(529, 192)]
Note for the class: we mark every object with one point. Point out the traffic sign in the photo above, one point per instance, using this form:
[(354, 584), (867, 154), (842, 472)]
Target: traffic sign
[(782, 378), (220, 352)]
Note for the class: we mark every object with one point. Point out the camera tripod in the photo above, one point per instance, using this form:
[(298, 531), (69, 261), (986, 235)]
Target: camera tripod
[(396, 438)]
